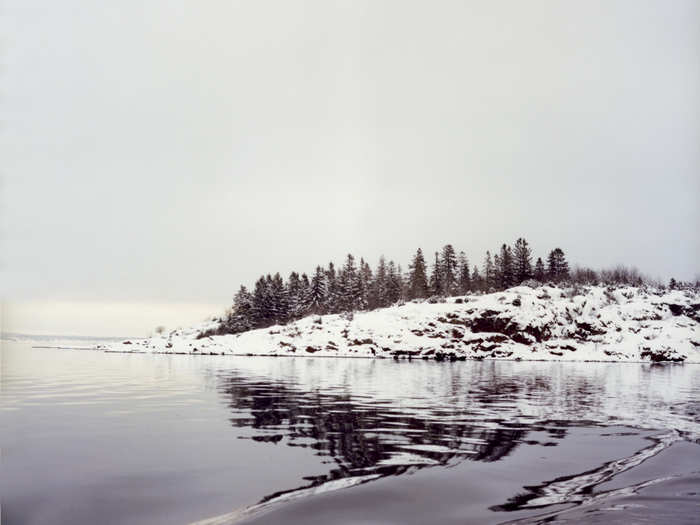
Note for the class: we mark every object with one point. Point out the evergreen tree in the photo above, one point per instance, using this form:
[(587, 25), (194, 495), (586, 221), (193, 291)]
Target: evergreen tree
[(477, 281), (349, 285), (403, 283), (539, 270), (365, 277), (505, 269), (435, 283), (557, 266), (294, 296), (317, 292), (489, 274), (417, 281), (332, 290), (394, 284), (241, 317), (304, 300), (522, 256), (497, 271), (379, 289), (262, 312), (279, 300), (448, 270), (463, 274)]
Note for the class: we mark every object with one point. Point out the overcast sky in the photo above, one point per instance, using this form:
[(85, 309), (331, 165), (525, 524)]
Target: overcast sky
[(157, 154)]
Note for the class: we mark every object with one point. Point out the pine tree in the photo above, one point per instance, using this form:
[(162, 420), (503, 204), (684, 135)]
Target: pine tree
[(262, 314), (505, 269), (522, 256), (241, 318), (497, 271), (294, 296), (477, 281), (417, 281), (464, 277), (317, 292), (365, 276), (489, 274), (435, 283), (349, 285), (557, 267), (448, 270), (403, 281), (379, 290), (394, 284), (539, 270), (332, 298), (279, 300), (304, 300)]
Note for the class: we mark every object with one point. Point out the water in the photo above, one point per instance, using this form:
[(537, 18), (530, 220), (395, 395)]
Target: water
[(89, 437)]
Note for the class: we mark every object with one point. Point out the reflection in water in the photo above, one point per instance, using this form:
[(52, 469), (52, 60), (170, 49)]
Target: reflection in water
[(394, 419)]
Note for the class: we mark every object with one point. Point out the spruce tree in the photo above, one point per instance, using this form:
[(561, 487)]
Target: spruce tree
[(304, 300), (394, 283), (435, 283), (522, 256), (448, 270), (365, 276), (349, 284), (294, 296), (280, 304), (497, 277), (261, 305), (380, 284), (241, 318), (332, 290), (464, 279), (539, 270), (417, 281), (506, 267), (557, 266), (488, 272), (477, 281), (317, 292)]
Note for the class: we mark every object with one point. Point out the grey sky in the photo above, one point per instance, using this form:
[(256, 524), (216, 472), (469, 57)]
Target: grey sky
[(165, 152)]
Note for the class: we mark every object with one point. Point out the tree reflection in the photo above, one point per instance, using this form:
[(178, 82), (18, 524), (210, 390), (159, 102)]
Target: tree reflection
[(373, 420), (373, 438)]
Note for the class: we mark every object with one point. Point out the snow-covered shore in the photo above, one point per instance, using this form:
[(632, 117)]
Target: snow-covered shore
[(545, 323)]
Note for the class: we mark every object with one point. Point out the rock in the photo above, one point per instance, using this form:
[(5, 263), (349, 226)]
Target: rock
[(658, 356)]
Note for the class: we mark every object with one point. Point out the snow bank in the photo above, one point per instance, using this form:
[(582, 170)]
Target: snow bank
[(544, 323)]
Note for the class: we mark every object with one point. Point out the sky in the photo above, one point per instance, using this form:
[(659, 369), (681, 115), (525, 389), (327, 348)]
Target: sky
[(158, 154)]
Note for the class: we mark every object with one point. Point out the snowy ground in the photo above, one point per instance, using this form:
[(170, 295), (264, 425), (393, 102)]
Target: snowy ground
[(545, 323)]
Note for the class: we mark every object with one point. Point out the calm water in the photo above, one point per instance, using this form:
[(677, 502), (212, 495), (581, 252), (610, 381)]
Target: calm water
[(89, 437)]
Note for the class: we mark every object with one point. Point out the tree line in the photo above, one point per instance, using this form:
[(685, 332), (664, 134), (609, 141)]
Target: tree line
[(355, 286)]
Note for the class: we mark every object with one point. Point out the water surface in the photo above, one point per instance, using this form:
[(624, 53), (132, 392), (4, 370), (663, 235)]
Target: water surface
[(93, 437)]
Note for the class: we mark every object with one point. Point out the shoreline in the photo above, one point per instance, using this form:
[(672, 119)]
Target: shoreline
[(587, 324)]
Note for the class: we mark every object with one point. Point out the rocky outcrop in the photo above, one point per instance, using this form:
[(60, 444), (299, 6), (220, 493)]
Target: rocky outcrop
[(543, 323)]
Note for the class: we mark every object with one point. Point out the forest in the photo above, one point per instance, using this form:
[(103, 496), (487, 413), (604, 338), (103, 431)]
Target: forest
[(354, 286)]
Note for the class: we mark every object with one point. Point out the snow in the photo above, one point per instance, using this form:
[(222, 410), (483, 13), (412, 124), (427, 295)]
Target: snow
[(545, 323)]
